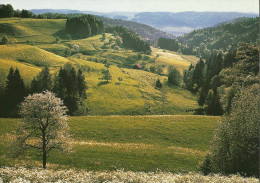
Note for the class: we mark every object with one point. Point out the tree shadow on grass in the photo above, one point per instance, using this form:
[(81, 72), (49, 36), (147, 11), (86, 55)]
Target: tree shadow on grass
[(102, 83)]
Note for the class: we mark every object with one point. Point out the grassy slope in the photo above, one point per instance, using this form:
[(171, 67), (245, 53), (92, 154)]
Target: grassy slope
[(135, 94), (137, 143), (36, 30)]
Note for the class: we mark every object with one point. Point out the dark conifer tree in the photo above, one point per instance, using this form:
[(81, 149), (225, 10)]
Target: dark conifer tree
[(15, 92), (158, 84), (71, 87), (42, 82), (198, 74), (82, 85)]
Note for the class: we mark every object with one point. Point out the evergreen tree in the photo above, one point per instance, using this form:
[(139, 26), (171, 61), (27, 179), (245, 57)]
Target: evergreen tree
[(202, 96), (198, 74), (15, 92), (42, 82), (213, 104), (82, 85), (158, 84), (71, 87)]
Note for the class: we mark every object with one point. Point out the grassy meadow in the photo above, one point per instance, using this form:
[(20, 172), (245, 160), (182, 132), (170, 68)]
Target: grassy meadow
[(133, 143), (108, 139), (134, 94)]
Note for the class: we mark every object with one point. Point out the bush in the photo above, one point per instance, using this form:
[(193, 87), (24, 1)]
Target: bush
[(5, 40), (158, 84), (206, 165), (235, 147), (174, 76)]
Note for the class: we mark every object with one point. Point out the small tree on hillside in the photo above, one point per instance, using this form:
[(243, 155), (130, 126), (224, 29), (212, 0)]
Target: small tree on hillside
[(158, 84), (44, 127), (106, 75), (5, 40), (174, 76)]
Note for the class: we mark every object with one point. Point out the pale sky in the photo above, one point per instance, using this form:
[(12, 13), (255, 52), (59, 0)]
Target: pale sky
[(251, 6)]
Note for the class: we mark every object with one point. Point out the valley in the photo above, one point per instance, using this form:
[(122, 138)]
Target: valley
[(135, 103)]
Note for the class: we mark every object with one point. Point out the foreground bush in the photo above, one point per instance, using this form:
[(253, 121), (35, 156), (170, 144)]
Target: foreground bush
[(235, 147), (43, 175)]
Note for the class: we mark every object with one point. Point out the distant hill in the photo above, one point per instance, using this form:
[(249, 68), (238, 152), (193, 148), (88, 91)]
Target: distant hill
[(173, 23), (183, 22), (146, 31), (220, 37)]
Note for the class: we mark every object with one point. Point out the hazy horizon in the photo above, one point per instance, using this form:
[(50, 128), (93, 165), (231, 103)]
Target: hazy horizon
[(135, 6)]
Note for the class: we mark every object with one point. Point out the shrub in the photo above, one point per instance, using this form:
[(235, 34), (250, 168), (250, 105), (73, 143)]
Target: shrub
[(5, 40), (174, 76), (158, 84), (235, 147)]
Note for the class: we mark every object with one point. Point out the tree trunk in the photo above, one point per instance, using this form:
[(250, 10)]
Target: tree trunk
[(44, 159), (44, 153)]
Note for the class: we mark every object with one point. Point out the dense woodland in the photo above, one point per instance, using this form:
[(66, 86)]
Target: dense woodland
[(201, 42)]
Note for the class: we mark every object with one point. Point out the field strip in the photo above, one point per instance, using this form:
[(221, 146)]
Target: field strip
[(117, 145), (176, 149)]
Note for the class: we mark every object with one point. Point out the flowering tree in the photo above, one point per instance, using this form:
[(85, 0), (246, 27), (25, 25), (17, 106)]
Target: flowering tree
[(44, 126)]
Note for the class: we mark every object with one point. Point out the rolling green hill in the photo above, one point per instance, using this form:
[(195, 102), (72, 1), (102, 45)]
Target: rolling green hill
[(36, 30), (33, 46)]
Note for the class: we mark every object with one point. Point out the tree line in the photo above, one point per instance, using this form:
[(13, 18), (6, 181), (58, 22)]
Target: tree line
[(84, 26), (168, 44), (130, 39), (212, 81), (68, 84), (7, 11)]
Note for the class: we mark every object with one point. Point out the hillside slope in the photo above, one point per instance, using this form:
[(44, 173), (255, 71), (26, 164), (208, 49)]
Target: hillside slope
[(220, 37), (133, 93)]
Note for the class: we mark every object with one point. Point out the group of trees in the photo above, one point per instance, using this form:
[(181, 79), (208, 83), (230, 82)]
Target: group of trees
[(168, 44), (130, 39), (7, 11), (84, 26), (68, 84), (212, 79)]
